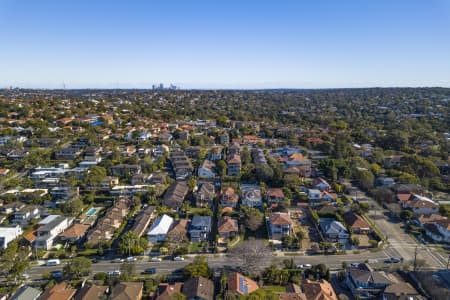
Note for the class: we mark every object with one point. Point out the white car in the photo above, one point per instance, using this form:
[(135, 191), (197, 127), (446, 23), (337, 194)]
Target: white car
[(113, 273), (118, 260), (178, 258), (25, 276), (299, 266), (155, 259), (307, 266), (131, 259)]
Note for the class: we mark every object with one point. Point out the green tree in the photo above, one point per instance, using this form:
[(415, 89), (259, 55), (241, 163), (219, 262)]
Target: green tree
[(73, 207), (77, 267), (131, 244), (127, 271), (253, 218), (199, 267), (95, 176)]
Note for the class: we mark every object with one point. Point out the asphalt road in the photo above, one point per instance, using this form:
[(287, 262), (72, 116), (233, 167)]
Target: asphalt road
[(401, 244), (217, 261)]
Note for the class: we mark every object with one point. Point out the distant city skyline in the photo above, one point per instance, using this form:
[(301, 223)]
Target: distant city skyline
[(224, 45)]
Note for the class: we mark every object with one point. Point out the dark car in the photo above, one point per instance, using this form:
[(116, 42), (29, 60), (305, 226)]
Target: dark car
[(149, 271), (56, 274), (393, 260)]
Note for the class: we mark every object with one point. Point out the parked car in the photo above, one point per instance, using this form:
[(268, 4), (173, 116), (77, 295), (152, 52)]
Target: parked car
[(299, 266), (393, 260), (131, 259), (113, 273), (178, 258), (56, 274), (149, 271), (118, 260), (53, 262), (353, 264), (25, 276), (307, 266), (155, 259)]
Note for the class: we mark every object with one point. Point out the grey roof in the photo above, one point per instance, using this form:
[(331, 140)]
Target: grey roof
[(364, 273), (332, 226), (199, 288), (201, 221), (26, 293), (49, 226)]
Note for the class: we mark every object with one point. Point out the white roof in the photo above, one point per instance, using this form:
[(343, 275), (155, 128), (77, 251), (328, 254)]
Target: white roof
[(422, 198), (161, 225), (48, 219), (313, 191)]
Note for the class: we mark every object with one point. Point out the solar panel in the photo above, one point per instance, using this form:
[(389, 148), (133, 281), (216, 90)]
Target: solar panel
[(243, 285)]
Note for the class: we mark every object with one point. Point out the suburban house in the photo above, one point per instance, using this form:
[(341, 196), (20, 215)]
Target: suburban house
[(384, 181), (234, 149), (167, 291), (401, 290), (174, 196), (9, 234), (320, 289), (229, 198), (26, 292), (198, 288), (234, 165), (224, 138), (258, 157), (91, 292), (333, 230), (142, 220), (215, 154), (60, 291), (251, 195), (123, 170), (127, 290), (280, 225), (429, 218), (67, 153), (74, 233), (204, 197), (298, 161), (274, 196), (200, 228), (422, 205), (317, 197), (239, 284), (321, 184), (227, 227), (23, 216), (181, 165), (159, 229), (179, 231), (364, 282), (206, 170), (50, 228), (356, 223)]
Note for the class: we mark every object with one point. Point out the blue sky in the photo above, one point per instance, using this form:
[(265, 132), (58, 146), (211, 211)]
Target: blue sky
[(224, 44)]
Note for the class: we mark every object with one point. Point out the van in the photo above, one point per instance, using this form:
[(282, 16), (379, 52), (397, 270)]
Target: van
[(53, 262)]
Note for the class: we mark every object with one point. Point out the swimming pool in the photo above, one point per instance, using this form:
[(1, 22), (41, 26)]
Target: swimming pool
[(91, 212)]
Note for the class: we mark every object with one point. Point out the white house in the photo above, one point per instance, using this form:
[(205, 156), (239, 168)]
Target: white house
[(422, 205), (159, 229), (53, 225), (8, 234), (251, 195), (207, 169)]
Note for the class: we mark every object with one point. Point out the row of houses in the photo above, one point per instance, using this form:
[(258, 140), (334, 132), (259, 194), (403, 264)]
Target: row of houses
[(110, 222)]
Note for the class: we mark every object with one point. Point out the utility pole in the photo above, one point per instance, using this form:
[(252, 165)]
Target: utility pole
[(416, 250)]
